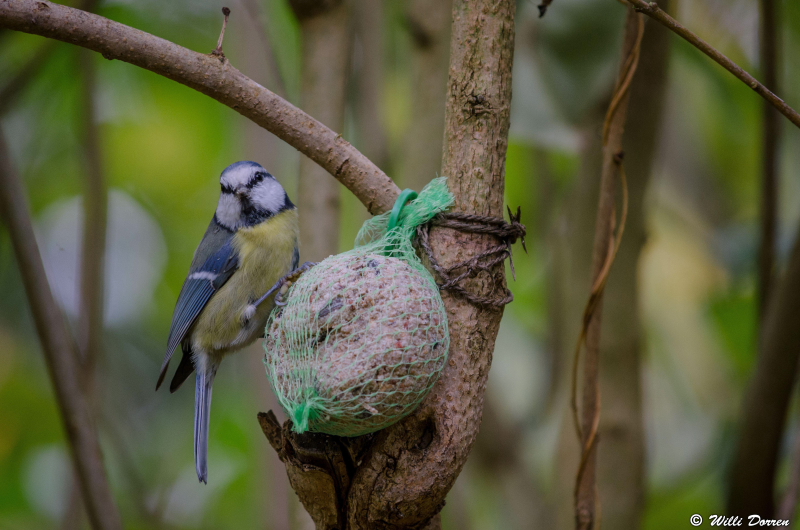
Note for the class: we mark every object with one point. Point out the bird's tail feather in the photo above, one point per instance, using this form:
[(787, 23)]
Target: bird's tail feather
[(202, 410)]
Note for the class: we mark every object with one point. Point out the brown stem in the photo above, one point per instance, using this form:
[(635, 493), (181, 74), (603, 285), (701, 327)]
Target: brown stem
[(605, 248), (215, 78), (95, 214), (326, 41), (621, 477), (652, 10), (788, 506), (92, 264), (769, 155), (59, 350), (752, 477), (226, 12)]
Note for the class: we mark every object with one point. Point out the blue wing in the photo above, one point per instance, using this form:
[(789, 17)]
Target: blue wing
[(203, 281)]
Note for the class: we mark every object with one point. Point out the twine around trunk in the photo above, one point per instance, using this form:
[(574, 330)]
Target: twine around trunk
[(506, 232)]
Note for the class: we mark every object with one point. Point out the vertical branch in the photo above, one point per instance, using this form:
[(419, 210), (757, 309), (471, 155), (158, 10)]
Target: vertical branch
[(59, 350), (429, 25), (788, 506), (370, 24), (621, 456), (95, 220), (769, 154), (602, 257), (752, 477), (326, 36), (413, 464), (92, 263)]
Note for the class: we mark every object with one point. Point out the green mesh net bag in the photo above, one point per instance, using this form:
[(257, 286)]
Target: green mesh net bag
[(363, 336)]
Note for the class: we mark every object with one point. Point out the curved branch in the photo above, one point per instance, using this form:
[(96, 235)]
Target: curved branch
[(215, 77)]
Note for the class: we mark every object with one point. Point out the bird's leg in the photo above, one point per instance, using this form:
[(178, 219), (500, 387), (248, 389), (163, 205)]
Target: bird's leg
[(282, 286), (289, 279)]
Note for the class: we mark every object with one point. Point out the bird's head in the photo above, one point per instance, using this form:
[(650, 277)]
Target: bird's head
[(249, 195)]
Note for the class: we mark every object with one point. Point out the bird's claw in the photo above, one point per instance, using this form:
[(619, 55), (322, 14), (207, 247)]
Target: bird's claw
[(287, 281), (283, 285)]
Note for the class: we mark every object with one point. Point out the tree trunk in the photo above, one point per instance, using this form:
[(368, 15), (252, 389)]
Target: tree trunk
[(429, 25), (326, 36), (399, 477)]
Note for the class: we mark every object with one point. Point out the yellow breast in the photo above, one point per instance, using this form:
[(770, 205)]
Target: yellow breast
[(265, 255)]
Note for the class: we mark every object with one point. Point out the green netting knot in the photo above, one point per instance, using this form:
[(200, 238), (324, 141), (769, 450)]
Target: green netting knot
[(363, 336), (405, 196), (306, 411)]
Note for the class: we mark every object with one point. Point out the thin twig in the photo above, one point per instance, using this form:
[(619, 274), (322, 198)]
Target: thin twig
[(606, 246), (597, 289), (215, 78), (631, 63), (59, 350), (652, 10), (226, 12)]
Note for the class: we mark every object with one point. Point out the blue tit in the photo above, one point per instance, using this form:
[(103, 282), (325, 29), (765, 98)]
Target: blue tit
[(251, 243)]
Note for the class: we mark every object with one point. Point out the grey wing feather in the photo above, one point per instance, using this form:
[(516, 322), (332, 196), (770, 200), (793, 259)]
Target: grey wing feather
[(196, 293)]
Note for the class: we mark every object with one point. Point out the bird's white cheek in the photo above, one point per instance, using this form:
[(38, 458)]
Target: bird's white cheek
[(268, 195), (228, 210)]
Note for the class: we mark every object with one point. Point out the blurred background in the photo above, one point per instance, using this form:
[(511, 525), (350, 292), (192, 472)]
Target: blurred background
[(682, 297)]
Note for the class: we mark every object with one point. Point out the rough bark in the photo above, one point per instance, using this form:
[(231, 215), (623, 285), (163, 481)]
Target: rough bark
[(752, 477), (214, 76), (769, 154), (326, 42), (429, 26), (585, 503), (428, 450), (621, 455), (398, 477), (60, 352)]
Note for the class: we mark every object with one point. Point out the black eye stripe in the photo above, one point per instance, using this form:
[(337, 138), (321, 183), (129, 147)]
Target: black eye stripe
[(227, 189), (258, 177)]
